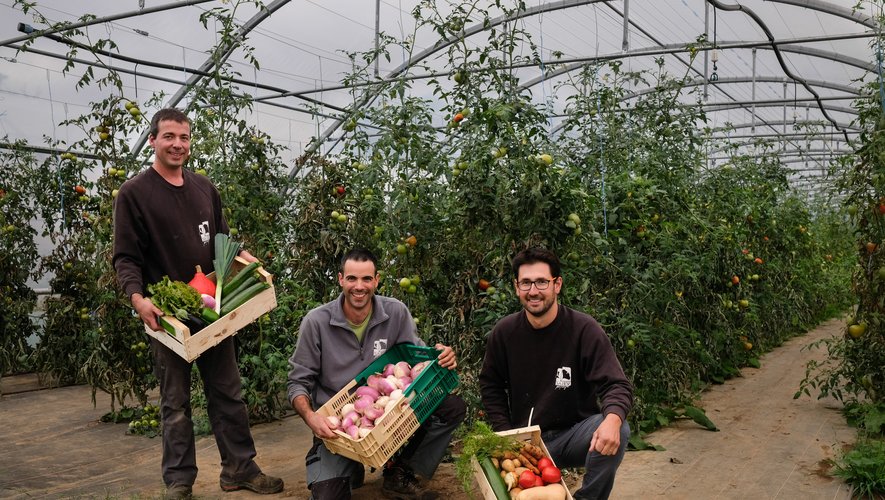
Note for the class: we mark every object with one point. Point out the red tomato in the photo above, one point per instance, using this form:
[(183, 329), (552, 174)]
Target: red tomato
[(551, 475), (527, 479), (544, 463)]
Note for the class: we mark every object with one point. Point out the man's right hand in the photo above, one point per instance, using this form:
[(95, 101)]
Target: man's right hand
[(317, 423), (147, 311), (320, 426)]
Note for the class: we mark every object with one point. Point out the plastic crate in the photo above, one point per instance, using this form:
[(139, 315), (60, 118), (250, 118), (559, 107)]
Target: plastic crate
[(391, 432), (430, 387)]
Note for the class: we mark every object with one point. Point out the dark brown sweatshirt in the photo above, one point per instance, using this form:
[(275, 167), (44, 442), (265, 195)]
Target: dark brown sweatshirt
[(161, 229), (566, 371)]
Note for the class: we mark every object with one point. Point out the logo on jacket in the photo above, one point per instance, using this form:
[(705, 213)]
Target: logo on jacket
[(203, 228), (379, 347), (563, 377)]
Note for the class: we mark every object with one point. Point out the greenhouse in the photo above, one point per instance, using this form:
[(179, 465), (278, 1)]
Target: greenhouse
[(706, 172)]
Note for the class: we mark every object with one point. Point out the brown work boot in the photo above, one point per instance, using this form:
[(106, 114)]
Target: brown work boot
[(178, 492), (261, 484), (400, 483)]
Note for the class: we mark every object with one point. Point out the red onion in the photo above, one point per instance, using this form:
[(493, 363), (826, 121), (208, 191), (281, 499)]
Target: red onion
[(353, 431), (346, 409), (418, 368), (362, 403), (373, 413), (366, 391), (333, 421), (401, 369)]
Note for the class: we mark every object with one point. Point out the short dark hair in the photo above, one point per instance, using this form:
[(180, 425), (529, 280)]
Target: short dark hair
[(164, 114), (534, 255), (360, 255)]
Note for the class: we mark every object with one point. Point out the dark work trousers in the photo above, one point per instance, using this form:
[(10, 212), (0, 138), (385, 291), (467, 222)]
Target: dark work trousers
[(227, 413), (569, 448), (329, 475)]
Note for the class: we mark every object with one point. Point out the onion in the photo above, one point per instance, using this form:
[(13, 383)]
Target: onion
[(372, 381), (353, 431), (362, 403), (366, 391), (417, 369), (387, 385), (347, 409), (353, 416), (208, 300), (347, 422), (373, 413), (388, 370), (394, 381), (401, 369), (333, 421)]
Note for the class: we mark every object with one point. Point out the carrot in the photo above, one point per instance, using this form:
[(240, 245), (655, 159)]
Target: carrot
[(530, 465), (534, 451)]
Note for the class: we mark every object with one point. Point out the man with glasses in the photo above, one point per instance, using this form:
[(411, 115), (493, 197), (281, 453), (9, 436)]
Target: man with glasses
[(555, 366)]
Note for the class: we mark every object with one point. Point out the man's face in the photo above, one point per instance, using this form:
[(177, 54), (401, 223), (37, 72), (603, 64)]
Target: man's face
[(358, 281), (537, 302), (172, 145)]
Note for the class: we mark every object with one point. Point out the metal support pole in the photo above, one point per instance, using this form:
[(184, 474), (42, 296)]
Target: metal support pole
[(706, 52), (377, 34), (753, 95), (625, 43), (785, 105)]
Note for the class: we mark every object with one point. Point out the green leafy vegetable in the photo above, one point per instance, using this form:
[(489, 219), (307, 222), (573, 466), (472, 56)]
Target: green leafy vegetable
[(175, 298), (480, 442)]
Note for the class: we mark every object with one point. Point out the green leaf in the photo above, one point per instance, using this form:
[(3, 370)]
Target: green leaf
[(700, 417)]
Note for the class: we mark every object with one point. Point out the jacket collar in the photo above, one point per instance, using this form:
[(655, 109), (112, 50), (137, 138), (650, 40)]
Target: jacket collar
[(379, 315)]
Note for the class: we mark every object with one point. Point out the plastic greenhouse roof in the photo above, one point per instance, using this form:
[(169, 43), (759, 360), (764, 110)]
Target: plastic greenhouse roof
[(826, 49)]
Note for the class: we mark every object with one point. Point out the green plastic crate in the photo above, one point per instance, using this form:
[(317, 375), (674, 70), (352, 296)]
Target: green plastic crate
[(430, 386)]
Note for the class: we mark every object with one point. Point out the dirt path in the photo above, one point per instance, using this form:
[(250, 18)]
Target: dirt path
[(770, 446)]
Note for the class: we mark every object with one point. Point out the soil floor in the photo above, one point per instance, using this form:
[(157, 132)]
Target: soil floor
[(769, 445)]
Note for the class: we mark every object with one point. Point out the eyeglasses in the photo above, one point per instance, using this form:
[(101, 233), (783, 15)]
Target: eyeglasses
[(540, 284)]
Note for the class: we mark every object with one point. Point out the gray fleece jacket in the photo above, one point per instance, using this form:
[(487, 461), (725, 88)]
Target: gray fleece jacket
[(328, 356)]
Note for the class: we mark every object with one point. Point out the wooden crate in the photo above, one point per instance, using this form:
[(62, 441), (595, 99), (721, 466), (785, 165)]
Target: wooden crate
[(526, 434), (388, 435), (177, 336)]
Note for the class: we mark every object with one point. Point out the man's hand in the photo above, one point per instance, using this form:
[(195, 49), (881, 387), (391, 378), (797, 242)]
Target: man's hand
[(446, 357), (317, 423), (147, 311), (320, 426), (607, 438), (248, 257)]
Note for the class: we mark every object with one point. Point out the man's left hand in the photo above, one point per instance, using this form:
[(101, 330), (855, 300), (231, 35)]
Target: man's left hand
[(446, 357), (607, 438), (248, 257)]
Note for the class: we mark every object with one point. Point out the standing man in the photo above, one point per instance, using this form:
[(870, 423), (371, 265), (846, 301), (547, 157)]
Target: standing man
[(557, 365), (164, 221), (336, 342)]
